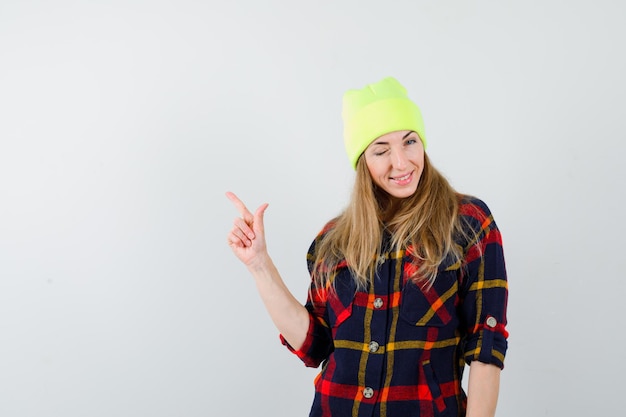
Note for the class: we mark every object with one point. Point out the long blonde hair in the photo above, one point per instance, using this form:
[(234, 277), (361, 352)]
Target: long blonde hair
[(427, 222)]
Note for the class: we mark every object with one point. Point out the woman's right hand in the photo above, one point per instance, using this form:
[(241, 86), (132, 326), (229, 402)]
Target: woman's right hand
[(247, 237), (247, 240)]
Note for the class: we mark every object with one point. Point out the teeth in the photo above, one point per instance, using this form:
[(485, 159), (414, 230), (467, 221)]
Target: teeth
[(403, 178)]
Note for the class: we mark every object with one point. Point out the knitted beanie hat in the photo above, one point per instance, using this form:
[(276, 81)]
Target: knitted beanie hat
[(375, 110)]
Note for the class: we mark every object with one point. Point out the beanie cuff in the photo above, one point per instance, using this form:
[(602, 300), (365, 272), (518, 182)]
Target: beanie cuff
[(379, 118)]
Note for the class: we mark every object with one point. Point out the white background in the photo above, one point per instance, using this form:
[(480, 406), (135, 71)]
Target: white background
[(122, 124)]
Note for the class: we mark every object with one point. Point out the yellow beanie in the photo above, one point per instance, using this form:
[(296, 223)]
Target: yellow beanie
[(375, 110)]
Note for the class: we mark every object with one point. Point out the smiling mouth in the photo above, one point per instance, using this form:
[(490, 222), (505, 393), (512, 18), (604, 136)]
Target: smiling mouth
[(402, 178)]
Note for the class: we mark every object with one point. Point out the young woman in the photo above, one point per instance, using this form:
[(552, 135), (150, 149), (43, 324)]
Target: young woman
[(408, 283)]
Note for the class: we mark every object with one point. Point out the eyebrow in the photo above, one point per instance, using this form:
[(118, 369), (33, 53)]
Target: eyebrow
[(387, 143)]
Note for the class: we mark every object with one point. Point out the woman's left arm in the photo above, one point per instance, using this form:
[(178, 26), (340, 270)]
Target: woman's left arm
[(485, 295), (482, 389)]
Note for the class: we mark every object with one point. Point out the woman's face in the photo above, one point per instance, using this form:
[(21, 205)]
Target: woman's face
[(395, 162)]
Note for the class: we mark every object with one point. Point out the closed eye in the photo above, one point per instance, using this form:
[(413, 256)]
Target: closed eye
[(380, 149)]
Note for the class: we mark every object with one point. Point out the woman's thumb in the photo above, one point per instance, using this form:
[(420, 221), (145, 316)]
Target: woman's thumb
[(258, 217)]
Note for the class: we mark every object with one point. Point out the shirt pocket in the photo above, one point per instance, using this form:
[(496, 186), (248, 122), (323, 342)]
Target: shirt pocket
[(434, 306), (342, 300)]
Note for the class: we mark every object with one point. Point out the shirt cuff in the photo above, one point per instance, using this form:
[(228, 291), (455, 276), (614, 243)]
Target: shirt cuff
[(303, 352), (488, 344)]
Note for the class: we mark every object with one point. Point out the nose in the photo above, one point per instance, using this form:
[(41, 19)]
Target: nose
[(399, 159)]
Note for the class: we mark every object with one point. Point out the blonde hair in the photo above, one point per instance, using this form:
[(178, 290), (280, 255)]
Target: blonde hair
[(426, 222)]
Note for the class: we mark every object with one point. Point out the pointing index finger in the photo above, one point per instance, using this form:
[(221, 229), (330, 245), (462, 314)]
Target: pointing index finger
[(243, 210)]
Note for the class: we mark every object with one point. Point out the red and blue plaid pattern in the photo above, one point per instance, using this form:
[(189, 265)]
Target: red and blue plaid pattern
[(397, 350)]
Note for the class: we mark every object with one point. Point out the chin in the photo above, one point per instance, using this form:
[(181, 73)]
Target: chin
[(402, 193)]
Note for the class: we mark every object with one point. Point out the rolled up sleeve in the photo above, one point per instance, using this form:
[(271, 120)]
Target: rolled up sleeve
[(318, 343)]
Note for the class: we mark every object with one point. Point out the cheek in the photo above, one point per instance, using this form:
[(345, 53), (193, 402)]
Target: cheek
[(419, 155), (376, 173), (372, 168), (418, 159)]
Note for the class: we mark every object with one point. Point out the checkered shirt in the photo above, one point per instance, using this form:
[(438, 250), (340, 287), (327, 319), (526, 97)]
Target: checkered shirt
[(397, 350)]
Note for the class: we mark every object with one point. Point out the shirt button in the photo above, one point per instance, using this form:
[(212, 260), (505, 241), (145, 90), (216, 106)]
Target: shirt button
[(374, 346), (492, 322), (368, 392), (378, 303)]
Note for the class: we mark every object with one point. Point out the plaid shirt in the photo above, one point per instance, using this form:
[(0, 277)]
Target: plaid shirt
[(395, 350)]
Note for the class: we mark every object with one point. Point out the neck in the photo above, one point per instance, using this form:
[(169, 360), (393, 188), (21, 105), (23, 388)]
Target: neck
[(389, 209)]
